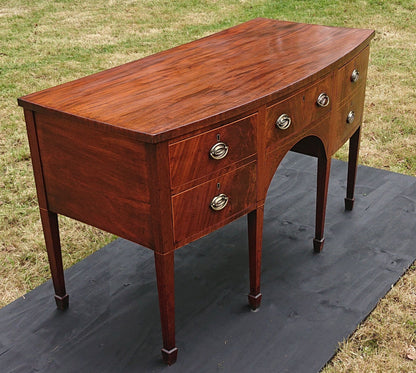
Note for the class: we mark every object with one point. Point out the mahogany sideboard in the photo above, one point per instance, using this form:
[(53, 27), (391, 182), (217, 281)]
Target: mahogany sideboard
[(164, 150)]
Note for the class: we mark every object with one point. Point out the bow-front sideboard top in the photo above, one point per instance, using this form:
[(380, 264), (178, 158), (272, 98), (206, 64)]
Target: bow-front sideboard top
[(166, 149)]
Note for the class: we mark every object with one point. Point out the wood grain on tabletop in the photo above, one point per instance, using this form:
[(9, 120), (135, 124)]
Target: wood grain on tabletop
[(159, 96)]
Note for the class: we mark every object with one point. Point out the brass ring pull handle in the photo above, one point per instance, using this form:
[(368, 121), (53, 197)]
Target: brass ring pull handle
[(219, 202), (323, 100), (350, 117), (219, 150), (355, 75), (283, 122)]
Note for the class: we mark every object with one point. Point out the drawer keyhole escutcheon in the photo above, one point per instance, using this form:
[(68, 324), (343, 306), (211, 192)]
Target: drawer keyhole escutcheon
[(355, 75), (323, 100), (219, 202), (350, 117), (283, 122), (219, 150)]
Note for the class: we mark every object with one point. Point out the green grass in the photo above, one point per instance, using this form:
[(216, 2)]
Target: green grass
[(44, 43)]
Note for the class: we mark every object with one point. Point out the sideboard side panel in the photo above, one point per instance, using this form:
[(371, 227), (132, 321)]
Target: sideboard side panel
[(35, 155), (96, 177)]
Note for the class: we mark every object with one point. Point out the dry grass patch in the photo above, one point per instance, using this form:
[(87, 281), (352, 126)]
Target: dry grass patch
[(16, 11), (385, 342)]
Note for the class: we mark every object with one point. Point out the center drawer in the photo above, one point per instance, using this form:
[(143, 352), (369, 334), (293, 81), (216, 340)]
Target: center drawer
[(212, 151), (288, 118), (199, 210)]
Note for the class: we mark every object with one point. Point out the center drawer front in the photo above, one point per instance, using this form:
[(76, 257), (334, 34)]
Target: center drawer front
[(190, 159), (193, 216), (302, 109)]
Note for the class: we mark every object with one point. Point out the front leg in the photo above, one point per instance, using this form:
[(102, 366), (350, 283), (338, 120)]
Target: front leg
[(255, 236), (165, 276)]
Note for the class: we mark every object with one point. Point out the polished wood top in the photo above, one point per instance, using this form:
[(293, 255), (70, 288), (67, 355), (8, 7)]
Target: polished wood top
[(203, 82)]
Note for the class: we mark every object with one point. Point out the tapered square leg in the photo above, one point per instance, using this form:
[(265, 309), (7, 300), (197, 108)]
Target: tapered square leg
[(352, 168), (324, 166), (255, 234), (165, 275), (53, 247)]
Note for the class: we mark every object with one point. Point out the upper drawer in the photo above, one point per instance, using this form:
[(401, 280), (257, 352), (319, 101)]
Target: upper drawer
[(299, 111), (210, 151), (353, 75)]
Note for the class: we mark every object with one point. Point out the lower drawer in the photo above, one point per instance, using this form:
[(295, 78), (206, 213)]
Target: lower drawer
[(200, 210)]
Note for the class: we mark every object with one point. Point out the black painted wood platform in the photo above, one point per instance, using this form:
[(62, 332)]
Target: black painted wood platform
[(310, 301)]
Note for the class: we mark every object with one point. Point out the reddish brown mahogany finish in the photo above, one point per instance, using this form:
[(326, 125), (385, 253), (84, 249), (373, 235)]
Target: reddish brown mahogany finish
[(164, 264), (239, 136), (255, 236), (324, 166), (92, 175), (237, 185), (48, 218), (352, 168), (128, 149), (302, 110), (53, 246)]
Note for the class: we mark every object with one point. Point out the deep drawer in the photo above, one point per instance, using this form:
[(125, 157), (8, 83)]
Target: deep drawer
[(192, 211)]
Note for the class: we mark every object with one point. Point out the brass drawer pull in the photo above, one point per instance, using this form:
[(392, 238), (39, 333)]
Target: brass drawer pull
[(323, 100), (355, 75), (350, 117), (283, 122), (219, 150), (219, 202)]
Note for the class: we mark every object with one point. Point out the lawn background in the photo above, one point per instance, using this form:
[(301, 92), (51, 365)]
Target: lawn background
[(44, 43)]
